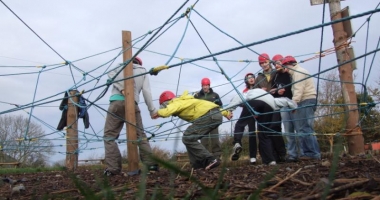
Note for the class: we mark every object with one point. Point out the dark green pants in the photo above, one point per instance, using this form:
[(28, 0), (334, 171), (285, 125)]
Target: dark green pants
[(198, 154)]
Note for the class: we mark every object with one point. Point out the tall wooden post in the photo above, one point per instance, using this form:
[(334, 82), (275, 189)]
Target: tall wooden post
[(352, 131), (130, 116), (72, 132), (355, 135)]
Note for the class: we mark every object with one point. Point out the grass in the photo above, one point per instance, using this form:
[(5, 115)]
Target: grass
[(30, 170)]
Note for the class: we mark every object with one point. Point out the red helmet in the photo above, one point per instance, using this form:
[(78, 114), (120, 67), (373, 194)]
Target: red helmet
[(206, 81), (165, 96), (288, 59), (277, 57), (263, 57), (138, 60)]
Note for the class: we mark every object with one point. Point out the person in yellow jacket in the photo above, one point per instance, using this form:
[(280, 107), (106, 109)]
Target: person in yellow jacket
[(205, 116)]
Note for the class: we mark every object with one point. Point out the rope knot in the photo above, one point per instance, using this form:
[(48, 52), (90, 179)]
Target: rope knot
[(155, 70), (109, 81)]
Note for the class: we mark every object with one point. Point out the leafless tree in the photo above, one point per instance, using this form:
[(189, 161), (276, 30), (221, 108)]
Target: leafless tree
[(24, 143)]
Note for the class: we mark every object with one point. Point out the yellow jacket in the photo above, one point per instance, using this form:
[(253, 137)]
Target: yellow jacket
[(188, 108)]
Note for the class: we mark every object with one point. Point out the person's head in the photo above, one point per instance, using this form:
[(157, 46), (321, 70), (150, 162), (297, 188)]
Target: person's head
[(264, 62), (249, 80), (138, 61), (165, 97), (277, 59), (289, 61), (205, 82)]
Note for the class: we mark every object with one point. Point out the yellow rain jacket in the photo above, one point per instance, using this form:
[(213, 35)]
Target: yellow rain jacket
[(188, 108)]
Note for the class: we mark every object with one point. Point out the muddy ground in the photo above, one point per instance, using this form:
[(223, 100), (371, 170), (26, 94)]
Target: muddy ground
[(353, 178)]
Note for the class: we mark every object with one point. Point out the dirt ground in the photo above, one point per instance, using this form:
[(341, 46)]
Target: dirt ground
[(353, 178)]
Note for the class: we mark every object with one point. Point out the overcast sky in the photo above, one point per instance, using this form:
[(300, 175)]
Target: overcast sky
[(79, 29)]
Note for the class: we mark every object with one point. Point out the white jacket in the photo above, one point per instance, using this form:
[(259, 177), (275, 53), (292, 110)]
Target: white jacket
[(262, 95)]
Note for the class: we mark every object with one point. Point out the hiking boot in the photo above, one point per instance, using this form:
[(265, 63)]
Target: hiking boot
[(290, 160), (212, 164), (252, 161), (272, 163), (153, 168), (281, 159), (106, 172), (237, 150)]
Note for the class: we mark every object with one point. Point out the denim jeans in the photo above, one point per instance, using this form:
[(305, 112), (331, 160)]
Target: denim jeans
[(293, 144), (304, 118)]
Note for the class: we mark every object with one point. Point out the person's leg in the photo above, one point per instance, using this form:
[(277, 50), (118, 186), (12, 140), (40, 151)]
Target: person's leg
[(309, 141), (112, 128), (279, 150), (240, 125), (252, 139), (144, 146), (198, 155), (289, 134), (263, 120), (215, 143), (206, 141)]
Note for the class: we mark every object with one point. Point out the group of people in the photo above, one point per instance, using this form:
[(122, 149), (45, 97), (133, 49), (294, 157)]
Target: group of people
[(286, 81), (285, 94)]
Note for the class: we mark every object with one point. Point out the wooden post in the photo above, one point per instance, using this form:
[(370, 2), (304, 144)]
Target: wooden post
[(353, 132), (355, 135), (72, 132), (130, 116)]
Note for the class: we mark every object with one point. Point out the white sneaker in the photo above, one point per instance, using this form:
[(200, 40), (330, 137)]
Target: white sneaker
[(252, 161), (272, 163), (237, 149)]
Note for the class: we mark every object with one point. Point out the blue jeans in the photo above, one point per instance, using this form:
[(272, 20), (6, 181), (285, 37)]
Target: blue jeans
[(293, 144), (304, 122)]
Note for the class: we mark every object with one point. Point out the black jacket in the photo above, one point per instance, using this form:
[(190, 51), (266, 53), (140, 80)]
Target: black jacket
[(211, 96), (280, 80), (82, 112)]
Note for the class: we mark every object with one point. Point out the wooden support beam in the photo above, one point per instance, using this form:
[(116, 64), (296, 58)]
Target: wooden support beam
[(72, 132), (130, 116)]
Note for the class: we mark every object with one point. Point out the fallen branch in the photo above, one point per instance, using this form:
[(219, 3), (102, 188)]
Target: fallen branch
[(337, 189), (285, 179), (64, 191), (181, 169), (347, 180), (301, 182)]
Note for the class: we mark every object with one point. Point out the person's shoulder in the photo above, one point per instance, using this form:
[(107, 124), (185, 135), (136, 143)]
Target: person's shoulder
[(138, 68)]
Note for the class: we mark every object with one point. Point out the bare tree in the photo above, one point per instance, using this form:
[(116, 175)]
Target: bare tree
[(22, 142), (375, 91), (330, 113)]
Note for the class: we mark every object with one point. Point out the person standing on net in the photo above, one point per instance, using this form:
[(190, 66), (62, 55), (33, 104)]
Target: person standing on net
[(204, 117), (263, 105), (115, 119), (245, 119), (282, 84), (273, 130), (211, 140), (305, 95)]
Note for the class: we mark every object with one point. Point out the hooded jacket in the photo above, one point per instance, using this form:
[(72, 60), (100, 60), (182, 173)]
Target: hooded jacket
[(303, 87), (188, 108), (141, 83), (82, 112), (211, 96), (262, 95)]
